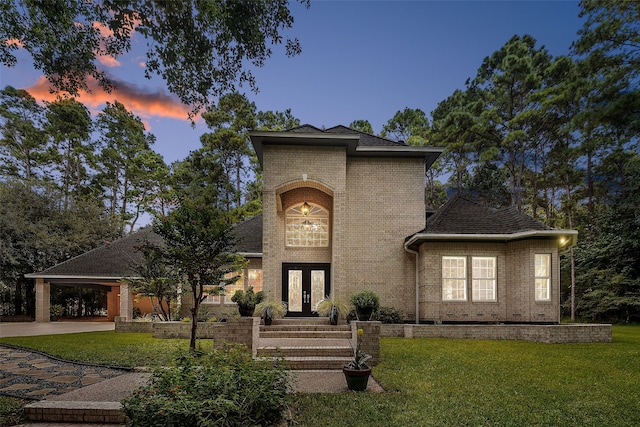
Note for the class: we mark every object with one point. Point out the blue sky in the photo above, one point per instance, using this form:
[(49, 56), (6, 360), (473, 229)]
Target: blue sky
[(360, 60)]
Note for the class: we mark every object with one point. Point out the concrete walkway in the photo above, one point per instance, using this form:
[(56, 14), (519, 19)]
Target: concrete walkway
[(25, 329), (32, 375)]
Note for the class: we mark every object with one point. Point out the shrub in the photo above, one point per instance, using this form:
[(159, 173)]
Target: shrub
[(388, 315), (365, 299), (222, 388), (247, 300)]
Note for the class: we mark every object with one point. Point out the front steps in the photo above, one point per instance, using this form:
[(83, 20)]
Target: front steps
[(306, 343)]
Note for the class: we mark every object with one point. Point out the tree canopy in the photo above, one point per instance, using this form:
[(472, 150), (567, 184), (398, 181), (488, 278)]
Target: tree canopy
[(201, 49)]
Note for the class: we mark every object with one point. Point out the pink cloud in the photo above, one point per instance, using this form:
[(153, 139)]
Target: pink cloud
[(108, 61), (142, 102)]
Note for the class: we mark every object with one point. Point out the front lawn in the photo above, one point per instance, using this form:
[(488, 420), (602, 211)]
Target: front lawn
[(107, 347), (442, 382), (436, 382)]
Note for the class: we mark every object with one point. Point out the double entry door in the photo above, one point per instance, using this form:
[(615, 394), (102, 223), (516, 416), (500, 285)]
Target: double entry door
[(303, 286)]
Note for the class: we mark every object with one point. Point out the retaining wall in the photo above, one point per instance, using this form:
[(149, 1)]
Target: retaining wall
[(570, 333)]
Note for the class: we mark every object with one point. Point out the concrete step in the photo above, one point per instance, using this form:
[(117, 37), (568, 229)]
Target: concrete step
[(302, 321), (304, 327), (310, 351), (306, 363), (81, 412), (306, 334)]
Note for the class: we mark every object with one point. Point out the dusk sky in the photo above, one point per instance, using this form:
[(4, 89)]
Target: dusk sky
[(360, 60)]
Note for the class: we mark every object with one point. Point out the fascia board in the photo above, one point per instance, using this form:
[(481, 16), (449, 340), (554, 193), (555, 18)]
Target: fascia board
[(425, 237)]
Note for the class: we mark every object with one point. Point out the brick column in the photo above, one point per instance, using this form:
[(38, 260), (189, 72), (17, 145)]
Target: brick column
[(370, 340), (239, 331), (43, 300), (126, 302)]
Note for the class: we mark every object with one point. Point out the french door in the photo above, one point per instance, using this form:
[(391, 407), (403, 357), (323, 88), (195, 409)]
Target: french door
[(303, 286)]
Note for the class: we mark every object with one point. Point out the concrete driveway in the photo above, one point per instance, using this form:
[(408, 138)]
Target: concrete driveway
[(24, 329)]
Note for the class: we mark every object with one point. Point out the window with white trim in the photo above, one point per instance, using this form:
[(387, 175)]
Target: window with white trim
[(307, 228), (483, 278), (454, 278), (543, 277)]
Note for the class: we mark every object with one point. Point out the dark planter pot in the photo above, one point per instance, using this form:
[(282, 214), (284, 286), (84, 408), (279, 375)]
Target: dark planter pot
[(333, 316), (268, 320), (357, 379), (246, 311), (364, 313)]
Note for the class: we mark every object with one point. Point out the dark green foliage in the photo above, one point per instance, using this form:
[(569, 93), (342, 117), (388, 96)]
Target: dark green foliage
[(36, 234), (201, 49), (366, 299), (247, 301), (213, 389), (200, 247), (388, 315)]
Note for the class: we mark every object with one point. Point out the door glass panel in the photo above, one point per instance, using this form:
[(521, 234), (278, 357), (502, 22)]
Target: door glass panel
[(295, 290), (317, 287)]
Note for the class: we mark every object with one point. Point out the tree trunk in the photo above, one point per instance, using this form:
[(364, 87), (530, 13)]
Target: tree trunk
[(194, 327)]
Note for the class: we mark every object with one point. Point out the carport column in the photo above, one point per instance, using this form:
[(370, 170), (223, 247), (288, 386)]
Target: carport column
[(43, 300), (126, 302)]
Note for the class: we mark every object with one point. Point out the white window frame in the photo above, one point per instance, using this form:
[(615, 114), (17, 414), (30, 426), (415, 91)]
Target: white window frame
[(542, 279), (451, 279), (484, 279)]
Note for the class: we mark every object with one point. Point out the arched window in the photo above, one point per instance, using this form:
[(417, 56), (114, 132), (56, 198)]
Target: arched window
[(307, 226)]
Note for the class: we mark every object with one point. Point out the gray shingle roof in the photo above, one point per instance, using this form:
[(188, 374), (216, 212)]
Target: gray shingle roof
[(366, 139), (114, 260), (111, 260), (463, 216), (249, 234)]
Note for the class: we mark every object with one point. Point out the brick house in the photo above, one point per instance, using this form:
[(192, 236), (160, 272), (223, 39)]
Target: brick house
[(344, 211)]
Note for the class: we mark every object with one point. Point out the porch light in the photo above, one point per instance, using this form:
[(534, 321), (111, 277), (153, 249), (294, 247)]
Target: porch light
[(305, 208)]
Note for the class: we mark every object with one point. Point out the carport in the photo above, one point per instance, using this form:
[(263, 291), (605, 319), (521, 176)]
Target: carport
[(103, 267)]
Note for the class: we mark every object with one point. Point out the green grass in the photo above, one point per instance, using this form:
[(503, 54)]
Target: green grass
[(437, 382), (108, 348), (11, 411), (440, 382)]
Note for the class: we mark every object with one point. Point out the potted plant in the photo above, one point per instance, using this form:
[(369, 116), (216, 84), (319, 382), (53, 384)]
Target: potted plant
[(333, 309), (247, 301), (270, 310), (55, 312), (357, 372), (366, 302)]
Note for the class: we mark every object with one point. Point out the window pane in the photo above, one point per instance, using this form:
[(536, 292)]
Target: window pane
[(255, 280), (231, 288), (543, 277), (483, 278), (209, 294), (317, 287), (295, 290), (311, 230), (454, 278)]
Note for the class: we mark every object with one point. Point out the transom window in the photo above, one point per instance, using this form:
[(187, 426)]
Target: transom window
[(483, 278), (543, 277), (307, 229), (454, 278)]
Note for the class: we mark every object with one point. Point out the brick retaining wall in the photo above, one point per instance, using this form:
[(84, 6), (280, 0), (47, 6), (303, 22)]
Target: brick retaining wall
[(570, 333)]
